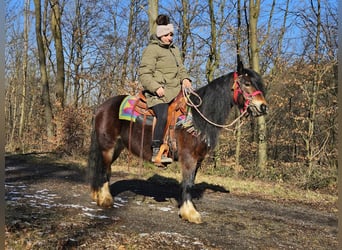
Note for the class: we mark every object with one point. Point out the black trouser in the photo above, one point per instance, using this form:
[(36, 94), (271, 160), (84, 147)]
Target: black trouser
[(161, 114)]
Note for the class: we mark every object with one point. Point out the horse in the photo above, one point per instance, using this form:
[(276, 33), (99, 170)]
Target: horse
[(243, 88)]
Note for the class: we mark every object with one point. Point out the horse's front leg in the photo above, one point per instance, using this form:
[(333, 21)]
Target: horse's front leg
[(187, 210)]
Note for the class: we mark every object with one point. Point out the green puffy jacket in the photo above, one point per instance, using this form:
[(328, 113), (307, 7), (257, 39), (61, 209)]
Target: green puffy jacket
[(161, 66)]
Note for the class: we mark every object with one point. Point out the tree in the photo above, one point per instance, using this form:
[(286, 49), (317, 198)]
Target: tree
[(76, 52), (186, 27), (314, 90), (280, 39), (129, 41), (25, 70), (43, 71), (57, 34), (214, 53), (238, 45), (254, 10), (152, 15)]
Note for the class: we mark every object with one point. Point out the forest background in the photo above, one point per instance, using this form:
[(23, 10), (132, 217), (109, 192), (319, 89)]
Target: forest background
[(63, 58)]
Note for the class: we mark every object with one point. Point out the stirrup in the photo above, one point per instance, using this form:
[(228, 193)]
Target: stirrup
[(161, 157), (164, 159)]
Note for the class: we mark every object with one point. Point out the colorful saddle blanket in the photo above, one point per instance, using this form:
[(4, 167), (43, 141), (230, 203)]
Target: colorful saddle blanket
[(134, 107), (127, 111)]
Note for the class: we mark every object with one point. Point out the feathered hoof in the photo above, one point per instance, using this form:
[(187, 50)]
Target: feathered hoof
[(102, 196), (188, 212)]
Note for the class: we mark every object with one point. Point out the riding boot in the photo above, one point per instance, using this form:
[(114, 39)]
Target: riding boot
[(155, 150)]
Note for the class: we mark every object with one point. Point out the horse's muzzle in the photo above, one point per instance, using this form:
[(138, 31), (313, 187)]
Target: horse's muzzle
[(257, 110)]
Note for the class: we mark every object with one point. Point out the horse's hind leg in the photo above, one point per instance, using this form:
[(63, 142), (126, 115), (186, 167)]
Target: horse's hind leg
[(102, 195), (101, 172), (105, 147)]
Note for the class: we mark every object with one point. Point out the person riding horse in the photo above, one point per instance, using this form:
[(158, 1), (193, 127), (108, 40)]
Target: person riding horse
[(162, 75)]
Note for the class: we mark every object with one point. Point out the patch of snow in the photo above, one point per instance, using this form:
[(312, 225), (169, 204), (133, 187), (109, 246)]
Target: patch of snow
[(165, 209), (96, 216)]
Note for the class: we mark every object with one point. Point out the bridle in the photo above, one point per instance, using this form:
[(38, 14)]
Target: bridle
[(237, 90)]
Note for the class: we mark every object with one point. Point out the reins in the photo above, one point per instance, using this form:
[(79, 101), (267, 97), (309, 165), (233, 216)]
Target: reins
[(186, 94)]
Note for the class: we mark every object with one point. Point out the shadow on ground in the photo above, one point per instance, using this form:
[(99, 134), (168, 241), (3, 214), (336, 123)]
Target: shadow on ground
[(161, 188), (30, 167)]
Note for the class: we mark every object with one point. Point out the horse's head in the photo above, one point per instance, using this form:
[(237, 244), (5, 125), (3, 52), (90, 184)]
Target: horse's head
[(248, 91)]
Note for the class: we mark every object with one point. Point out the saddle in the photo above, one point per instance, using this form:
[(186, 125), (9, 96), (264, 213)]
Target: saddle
[(140, 105), (176, 108)]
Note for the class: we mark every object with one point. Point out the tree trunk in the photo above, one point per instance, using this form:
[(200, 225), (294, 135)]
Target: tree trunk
[(315, 89), (129, 39), (152, 15), (238, 144), (77, 58), (25, 62), (212, 64), (57, 34), (280, 39), (76, 53), (186, 27), (213, 59), (238, 127), (43, 72), (13, 117), (254, 9)]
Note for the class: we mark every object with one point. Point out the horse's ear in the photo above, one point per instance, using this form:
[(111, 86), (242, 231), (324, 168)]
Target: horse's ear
[(240, 68)]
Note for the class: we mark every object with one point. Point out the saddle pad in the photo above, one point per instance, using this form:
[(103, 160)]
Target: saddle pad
[(126, 111)]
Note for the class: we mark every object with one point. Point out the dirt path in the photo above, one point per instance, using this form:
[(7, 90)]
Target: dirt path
[(48, 207)]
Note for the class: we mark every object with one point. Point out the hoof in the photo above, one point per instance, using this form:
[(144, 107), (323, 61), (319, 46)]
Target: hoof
[(106, 202), (102, 196), (188, 212)]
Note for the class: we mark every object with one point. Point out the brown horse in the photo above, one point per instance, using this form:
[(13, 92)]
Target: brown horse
[(111, 135)]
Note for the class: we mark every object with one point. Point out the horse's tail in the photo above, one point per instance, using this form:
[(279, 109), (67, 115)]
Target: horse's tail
[(96, 169)]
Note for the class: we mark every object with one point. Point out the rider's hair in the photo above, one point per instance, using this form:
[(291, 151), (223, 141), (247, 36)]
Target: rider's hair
[(162, 19)]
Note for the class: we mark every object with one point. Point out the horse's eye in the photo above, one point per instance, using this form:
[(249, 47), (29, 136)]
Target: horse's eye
[(246, 83)]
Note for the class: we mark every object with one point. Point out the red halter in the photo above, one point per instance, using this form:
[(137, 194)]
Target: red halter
[(237, 90)]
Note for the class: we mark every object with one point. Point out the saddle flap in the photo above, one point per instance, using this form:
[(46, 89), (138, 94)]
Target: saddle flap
[(140, 105)]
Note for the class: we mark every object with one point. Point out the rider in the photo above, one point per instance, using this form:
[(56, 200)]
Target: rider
[(162, 74)]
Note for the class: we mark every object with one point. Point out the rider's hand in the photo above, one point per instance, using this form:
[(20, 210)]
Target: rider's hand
[(186, 83), (160, 92)]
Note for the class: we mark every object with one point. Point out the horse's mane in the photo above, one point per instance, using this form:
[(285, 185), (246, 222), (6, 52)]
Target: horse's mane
[(217, 102)]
